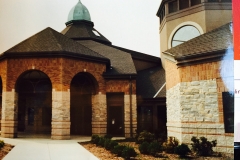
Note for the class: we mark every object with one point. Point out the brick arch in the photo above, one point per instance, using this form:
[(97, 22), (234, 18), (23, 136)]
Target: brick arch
[(91, 78), (27, 71), (73, 67), (49, 66)]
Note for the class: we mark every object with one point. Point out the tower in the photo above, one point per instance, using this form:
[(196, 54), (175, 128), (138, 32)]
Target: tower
[(182, 20)]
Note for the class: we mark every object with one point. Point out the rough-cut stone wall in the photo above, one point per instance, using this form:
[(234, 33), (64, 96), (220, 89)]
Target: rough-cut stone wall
[(127, 99), (9, 114), (194, 103), (193, 111), (60, 115), (99, 114)]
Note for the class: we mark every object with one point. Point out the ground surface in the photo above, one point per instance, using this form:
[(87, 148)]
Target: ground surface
[(104, 154), (4, 151)]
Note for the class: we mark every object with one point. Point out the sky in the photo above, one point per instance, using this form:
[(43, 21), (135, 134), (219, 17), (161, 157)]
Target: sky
[(130, 24)]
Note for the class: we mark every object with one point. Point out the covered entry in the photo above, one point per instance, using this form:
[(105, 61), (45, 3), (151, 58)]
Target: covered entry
[(34, 90), (83, 86)]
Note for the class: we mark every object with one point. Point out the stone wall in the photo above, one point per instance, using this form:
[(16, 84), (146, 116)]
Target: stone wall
[(99, 114), (127, 99), (192, 110), (194, 101), (9, 114), (60, 115)]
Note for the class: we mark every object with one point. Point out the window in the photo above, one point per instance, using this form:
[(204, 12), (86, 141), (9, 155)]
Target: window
[(96, 33), (184, 34), (213, 0), (228, 111), (162, 15), (226, 0), (173, 6), (195, 2), (183, 4)]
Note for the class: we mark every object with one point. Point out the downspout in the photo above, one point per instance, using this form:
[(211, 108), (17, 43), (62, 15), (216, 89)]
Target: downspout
[(130, 92)]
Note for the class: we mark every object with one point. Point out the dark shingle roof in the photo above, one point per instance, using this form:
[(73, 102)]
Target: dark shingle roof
[(83, 30), (121, 62), (50, 42), (216, 40), (149, 81)]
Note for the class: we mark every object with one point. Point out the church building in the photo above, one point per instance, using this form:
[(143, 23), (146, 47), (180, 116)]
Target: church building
[(77, 83)]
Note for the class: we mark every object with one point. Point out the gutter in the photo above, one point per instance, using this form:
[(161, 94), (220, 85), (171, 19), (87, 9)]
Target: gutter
[(159, 90)]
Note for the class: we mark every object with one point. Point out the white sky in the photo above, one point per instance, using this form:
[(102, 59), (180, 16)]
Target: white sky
[(131, 24)]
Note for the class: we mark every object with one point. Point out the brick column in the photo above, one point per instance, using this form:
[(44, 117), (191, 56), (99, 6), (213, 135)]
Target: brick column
[(99, 114), (60, 115), (9, 114), (127, 112)]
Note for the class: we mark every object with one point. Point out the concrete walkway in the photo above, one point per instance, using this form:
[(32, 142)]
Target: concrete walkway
[(43, 148)]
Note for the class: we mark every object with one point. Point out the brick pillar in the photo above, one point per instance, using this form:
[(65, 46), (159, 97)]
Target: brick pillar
[(127, 123), (9, 114), (60, 115), (99, 114)]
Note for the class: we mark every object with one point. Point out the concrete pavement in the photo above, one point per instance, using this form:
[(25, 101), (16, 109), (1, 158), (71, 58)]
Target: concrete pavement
[(43, 148)]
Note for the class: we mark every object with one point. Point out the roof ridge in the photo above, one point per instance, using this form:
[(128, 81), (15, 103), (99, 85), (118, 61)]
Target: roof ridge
[(53, 34), (21, 42)]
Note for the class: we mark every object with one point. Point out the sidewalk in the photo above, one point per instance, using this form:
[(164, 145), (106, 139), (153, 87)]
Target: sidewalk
[(46, 149)]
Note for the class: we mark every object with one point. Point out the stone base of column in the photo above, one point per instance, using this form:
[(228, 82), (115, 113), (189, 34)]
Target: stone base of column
[(61, 130), (99, 128), (9, 129)]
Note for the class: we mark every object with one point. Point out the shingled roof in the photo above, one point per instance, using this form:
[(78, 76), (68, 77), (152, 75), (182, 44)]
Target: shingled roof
[(49, 42), (121, 62), (83, 30), (150, 81), (215, 41)]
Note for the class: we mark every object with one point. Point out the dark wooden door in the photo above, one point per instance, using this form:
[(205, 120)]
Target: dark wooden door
[(115, 114), (81, 115), (115, 121)]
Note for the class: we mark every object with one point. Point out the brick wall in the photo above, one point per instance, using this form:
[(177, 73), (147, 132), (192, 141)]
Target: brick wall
[(120, 86), (172, 74)]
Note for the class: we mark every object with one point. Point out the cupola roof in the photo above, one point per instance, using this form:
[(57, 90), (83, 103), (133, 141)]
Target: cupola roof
[(79, 12)]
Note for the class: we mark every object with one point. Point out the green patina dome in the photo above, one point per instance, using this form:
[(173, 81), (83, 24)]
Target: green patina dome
[(79, 12)]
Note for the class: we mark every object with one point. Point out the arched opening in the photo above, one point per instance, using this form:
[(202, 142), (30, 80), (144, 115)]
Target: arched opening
[(1, 91), (83, 86), (34, 90)]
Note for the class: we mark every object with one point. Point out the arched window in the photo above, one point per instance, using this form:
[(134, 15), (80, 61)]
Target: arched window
[(184, 34)]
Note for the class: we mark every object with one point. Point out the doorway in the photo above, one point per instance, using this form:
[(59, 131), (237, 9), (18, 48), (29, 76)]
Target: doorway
[(83, 86), (115, 114), (34, 90)]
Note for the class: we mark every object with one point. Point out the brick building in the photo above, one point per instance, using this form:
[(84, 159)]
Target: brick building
[(77, 83), (197, 54)]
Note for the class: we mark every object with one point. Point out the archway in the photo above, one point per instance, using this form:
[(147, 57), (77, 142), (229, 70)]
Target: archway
[(83, 86), (34, 90)]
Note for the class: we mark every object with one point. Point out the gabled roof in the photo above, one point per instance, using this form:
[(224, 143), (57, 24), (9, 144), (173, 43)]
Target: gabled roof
[(49, 42), (215, 41), (121, 62), (83, 30)]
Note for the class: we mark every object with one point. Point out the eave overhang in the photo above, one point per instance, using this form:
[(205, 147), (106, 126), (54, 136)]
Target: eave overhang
[(119, 76), (54, 54), (199, 58)]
